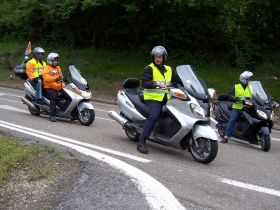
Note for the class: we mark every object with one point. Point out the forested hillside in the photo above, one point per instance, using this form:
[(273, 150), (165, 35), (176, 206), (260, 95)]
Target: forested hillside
[(240, 32)]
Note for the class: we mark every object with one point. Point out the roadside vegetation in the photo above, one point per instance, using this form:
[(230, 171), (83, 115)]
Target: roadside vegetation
[(105, 69), (39, 162)]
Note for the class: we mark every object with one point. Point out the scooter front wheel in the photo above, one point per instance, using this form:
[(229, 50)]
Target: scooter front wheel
[(265, 142), (86, 116), (203, 150)]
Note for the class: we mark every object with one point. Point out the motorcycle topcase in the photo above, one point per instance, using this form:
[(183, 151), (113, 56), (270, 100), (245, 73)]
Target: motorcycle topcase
[(20, 71)]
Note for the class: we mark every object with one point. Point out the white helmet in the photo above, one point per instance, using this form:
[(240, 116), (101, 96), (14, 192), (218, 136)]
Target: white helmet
[(51, 58), (245, 77), (159, 50)]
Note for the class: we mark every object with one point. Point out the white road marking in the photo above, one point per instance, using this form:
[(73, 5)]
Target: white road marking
[(251, 187), (105, 119), (157, 195), (5, 99), (6, 107), (132, 157), (104, 104)]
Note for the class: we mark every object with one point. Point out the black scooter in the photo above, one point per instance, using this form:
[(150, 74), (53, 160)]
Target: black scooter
[(255, 124)]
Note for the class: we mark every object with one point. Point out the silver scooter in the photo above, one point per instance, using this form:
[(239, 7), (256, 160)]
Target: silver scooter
[(73, 101), (183, 123)]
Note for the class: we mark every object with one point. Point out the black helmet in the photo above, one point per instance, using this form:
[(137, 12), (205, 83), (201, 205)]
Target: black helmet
[(159, 50)]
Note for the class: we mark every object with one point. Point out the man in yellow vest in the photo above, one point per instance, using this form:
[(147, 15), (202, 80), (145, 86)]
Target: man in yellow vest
[(238, 93), (34, 69), (155, 80)]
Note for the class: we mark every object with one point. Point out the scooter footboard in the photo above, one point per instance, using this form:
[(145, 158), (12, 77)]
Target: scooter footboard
[(205, 131)]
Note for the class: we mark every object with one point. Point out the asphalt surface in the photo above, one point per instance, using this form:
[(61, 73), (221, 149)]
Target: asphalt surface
[(241, 176)]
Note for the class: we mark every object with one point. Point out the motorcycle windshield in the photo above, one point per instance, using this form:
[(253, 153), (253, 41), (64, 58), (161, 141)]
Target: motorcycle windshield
[(77, 79), (259, 92), (192, 82)]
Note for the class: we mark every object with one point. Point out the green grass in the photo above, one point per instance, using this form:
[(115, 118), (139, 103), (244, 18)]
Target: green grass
[(40, 161), (13, 155), (106, 69)]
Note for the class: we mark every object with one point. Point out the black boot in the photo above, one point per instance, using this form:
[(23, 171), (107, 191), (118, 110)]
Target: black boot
[(141, 147), (52, 118)]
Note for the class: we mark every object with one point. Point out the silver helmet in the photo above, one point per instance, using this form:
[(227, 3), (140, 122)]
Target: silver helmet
[(245, 77), (38, 53), (51, 57), (159, 50)]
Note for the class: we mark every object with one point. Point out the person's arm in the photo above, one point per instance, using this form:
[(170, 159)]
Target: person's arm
[(61, 75), (231, 94), (147, 78), (30, 70)]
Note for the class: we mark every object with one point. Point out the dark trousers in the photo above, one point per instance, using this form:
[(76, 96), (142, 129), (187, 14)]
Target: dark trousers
[(155, 110), (51, 94)]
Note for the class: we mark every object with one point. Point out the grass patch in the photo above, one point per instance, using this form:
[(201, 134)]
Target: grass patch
[(38, 161), (13, 155)]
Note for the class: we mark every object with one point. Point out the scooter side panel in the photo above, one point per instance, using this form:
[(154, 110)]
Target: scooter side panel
[(181, 111), (128, 108), (29, 90), (75, 100)]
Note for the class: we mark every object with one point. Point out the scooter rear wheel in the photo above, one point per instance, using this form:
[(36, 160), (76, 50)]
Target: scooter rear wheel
[(265, 142), (33, 111), (204, 150), (132, 134)]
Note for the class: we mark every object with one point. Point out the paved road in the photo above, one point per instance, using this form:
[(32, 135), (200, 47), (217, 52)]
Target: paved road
[(241, 176)]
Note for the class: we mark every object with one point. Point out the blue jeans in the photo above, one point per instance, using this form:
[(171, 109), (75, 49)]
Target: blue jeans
[(38, 88), (155, 110), (234, 115)]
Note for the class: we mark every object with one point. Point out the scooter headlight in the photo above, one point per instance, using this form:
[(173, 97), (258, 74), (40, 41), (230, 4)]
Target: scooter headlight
[(86, 94), (262, 114), (197, 110)]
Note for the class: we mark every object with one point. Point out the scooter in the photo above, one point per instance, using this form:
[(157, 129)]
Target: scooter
[(73, 101), (183, 123), (255, 124)]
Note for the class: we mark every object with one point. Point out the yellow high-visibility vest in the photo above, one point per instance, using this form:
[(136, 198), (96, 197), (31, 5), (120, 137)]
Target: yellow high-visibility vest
[(38, 67), (158, 94), (241, 93)]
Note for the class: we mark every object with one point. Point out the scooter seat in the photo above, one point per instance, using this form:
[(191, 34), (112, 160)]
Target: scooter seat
[(134, 95)]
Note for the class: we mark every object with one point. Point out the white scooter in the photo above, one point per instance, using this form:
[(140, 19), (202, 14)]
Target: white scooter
[(183, 123), (73, 101)]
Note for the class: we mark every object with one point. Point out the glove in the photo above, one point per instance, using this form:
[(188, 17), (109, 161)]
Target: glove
[(238, 100), (59, 79), (160, 85)]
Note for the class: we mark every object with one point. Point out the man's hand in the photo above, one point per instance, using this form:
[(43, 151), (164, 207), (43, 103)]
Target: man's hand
[(160, 85), (238, 100), (59, 79)]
